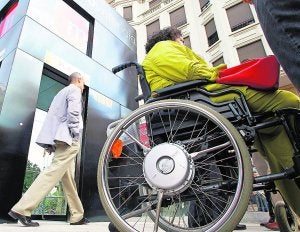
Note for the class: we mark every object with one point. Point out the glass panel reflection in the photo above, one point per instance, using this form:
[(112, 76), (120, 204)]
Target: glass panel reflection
[(54, 203), (48, 89), (63, 20), (7, 21)]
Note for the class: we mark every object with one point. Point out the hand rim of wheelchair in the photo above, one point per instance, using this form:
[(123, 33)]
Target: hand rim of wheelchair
[(239, 202)]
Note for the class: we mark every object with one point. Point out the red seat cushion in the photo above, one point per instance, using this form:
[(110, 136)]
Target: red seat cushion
[(261, 74)]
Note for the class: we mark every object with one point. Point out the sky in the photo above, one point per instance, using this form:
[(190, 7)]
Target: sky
[(36, 153)]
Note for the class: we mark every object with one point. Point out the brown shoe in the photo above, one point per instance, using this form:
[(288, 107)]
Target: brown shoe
[(26, 221), (272, 226), (83, 221)]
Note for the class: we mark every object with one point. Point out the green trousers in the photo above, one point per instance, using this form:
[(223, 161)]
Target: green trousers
[(273, 143)]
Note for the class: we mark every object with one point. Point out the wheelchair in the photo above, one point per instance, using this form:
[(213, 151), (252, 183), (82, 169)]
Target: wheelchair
[(181, 162)]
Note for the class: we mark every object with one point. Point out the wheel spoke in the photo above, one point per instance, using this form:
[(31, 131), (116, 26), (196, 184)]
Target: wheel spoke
[(158, 209), (192, 155), (137, 141), (197, 155)]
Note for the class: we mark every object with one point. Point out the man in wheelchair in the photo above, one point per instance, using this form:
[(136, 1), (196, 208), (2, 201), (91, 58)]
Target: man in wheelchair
[(168, 62)]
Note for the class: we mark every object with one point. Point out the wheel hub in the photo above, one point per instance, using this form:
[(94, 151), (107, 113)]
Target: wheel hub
[(165, 165), (169, 167)]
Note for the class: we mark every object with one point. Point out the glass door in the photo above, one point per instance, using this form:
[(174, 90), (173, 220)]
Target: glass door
[(54, 204)]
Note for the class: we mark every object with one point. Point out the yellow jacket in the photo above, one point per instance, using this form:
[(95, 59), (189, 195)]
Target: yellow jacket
[(169, 62)]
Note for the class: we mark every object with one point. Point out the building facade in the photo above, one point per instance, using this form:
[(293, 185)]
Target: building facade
[(41, 43), (226, 31)]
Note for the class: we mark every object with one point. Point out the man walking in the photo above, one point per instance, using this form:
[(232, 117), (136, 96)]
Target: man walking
[(60, 133)]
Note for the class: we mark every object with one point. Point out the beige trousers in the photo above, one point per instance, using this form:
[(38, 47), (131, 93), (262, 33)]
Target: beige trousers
[(62, 168)]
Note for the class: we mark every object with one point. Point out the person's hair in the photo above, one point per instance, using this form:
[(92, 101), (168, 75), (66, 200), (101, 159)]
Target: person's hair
[(74, 77), (169, 33)]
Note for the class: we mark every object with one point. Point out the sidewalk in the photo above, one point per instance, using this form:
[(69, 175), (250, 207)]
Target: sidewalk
[(251, 220), (54, 226)]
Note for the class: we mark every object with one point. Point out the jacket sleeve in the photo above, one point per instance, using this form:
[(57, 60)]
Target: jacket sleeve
[(179, 63), (74, 111)]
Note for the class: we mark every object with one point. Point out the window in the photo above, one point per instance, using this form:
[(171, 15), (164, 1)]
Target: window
[(152, 28), (187, 41), (6, 17), (203, 4), (154, 3), (67, 20), (127, 13), (251, 51), (177, 17), (211, 32), (239, 16), (218, 61)]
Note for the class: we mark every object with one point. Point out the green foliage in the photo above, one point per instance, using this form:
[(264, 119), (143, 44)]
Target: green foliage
[(32, 171), (54, 203)]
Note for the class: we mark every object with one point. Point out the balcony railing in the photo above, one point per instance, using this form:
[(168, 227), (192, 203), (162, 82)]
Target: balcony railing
[(154, 3), (155, 8), (151, 10), (242, 24), (213, 38)]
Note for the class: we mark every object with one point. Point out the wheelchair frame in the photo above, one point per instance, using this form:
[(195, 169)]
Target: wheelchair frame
[(240, 113), (235, 111)]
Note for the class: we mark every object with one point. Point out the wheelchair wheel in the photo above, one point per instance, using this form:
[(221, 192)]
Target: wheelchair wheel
[(182, 167), (286, 219)]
